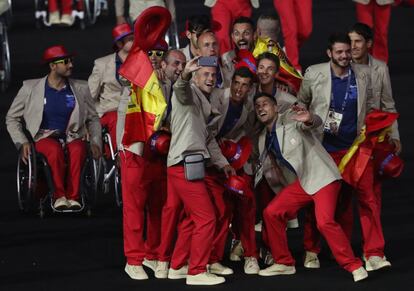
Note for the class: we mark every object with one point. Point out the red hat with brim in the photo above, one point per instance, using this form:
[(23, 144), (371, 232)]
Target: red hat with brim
[(377, 120), (161, 45), (54, 53), (386, 163), (246, 59), (236, 184), (159, 142), (120, 31), (237, 154)]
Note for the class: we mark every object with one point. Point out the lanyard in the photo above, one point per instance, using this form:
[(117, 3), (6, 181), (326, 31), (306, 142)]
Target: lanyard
[(332, 105)]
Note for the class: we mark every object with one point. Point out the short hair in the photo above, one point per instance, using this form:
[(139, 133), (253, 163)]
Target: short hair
[(266, 23), (207, 31), (167, 54), (198, 23), (244, 19), (338, 37), (269, 56), (264, 94), (244, 73), (362, 29)]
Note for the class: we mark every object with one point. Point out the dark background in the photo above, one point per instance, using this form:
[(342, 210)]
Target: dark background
[(74, 252)]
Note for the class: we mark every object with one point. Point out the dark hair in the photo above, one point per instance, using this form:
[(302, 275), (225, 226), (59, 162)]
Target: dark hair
[(198, 23), (269, 56), (244, 19), (362, 29), (264, 94), (244, 73), (338, 37)]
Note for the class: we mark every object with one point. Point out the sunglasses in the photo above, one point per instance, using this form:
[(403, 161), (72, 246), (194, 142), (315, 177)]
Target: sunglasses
[(63, 61), (157, 53)]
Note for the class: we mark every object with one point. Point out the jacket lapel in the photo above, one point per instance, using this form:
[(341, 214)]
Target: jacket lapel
[(74, 119)]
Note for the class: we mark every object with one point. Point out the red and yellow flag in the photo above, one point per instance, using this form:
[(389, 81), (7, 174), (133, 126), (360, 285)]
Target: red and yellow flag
[(147, 103)]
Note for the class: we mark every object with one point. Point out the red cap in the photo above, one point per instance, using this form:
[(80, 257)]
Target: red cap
[(161, 45), (159, 142), (377, 120), (55, 52), (236, 184), (386, 163), (246, 59), (237, 153), (120, 31)]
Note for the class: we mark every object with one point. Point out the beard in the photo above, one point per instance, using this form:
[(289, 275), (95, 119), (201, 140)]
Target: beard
[(341, 63)]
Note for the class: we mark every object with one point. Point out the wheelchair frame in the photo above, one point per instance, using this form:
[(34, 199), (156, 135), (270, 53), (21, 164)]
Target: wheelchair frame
[(5, 63)]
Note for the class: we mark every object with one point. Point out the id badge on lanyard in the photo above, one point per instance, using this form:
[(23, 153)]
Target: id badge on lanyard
[(333, 122)]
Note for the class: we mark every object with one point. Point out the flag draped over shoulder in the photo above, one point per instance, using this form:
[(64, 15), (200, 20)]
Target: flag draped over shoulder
[(147, 102), (287, 73)]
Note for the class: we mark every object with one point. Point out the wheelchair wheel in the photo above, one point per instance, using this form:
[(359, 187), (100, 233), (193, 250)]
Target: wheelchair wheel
[(90, 176), (26, 181), (92, 10), (117, 187), (5, 66)]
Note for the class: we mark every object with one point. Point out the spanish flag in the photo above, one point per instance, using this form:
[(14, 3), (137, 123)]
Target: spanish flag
[(287, 73), (147, 102)]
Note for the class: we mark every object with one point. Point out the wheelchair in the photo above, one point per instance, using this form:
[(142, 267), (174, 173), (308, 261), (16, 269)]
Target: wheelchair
[(35, 186), (86, 11), (5, 65), (109, 171)]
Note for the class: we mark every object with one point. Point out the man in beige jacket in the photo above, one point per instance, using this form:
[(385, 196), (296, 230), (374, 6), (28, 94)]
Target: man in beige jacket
[(56, 111), (293, 146)]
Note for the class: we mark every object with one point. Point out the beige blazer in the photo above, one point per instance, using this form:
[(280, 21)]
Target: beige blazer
[(316, 87), (28, 106), (190, 115), (314, 167), (379, 2), (105, 88), (186, 51), (381, 90), (211, 3)]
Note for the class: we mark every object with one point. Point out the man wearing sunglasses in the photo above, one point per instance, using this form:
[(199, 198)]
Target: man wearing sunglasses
[(104, 82), (57, 112), (156, 53)]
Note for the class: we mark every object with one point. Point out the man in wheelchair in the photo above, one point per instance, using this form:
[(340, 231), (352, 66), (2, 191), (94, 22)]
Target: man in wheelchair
[(58, 114)]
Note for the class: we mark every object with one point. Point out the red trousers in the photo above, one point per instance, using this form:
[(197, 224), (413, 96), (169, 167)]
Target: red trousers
[(225, 12), (66, 6), (369, 213), (244, 217), (196, 232), (286, 205), (71, 169), (378, 18), (135, 198), (296, 20), (108, 120)]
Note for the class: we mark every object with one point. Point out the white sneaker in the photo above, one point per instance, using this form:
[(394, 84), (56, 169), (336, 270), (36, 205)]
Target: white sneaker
[(61, 203), (359, 274), (204, 279), (161, 272), (219, 269), (251, 266), (67, 19), (375, 263), (136, 272), (74, 205), (180, 273), (236, 252), (152, 264), (311, 261), (54, 18), (293, 223), (258, 226), (278, 269)]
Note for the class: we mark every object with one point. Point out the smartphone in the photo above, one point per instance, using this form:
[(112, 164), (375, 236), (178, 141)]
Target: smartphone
[(208, 61)]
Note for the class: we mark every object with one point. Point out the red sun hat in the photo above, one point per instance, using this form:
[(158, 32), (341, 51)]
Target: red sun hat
[(246, 59), (120, 31), (161, 45), (54, 53), (377, 120), (386, 163), (159, 142), (236, 184), (237, 153)]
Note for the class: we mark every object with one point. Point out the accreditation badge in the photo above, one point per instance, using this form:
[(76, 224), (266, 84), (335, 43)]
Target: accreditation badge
[(333, 122)]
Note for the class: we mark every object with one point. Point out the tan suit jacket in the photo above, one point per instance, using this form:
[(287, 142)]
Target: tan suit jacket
[(211, 3), (28, 106), (190, 115), (381, 91), (314, 167), (105, 88), (379, 2), (186, 51), (315, 92)]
